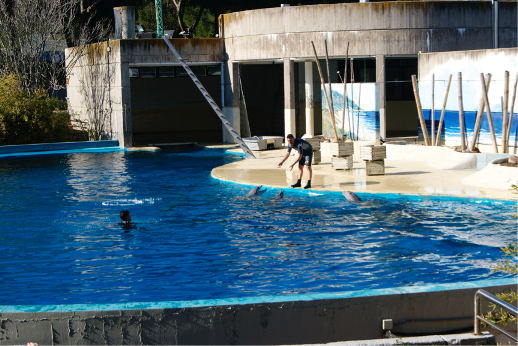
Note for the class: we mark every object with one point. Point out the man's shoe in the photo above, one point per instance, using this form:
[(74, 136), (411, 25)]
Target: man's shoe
[(308, 185), (296, 185)]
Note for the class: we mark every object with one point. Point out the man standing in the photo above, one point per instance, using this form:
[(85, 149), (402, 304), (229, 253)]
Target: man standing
[(305, 151)]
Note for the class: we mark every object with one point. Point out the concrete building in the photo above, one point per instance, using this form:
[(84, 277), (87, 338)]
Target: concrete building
[(138, 91)]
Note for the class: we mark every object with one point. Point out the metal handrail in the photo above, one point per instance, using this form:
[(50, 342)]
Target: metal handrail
[(504, 305)]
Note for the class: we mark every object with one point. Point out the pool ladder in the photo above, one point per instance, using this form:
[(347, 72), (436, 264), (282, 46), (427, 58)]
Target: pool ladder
[(479, 317)]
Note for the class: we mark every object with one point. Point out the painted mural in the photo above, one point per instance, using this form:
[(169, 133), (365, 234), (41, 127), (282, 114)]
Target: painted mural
[(361, 116), (496, 64)]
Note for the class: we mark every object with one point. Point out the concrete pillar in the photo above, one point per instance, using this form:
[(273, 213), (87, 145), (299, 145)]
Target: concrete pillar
[(310, 106), (124, 22), (230, 98), (121, 111), (380, 79), (289, 98)]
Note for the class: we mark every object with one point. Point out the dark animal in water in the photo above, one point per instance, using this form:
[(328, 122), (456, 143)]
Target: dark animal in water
[(351, 196), (256, 191), (280, 195)]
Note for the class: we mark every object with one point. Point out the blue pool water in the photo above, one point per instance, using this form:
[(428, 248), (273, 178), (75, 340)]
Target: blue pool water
[(198, 238)]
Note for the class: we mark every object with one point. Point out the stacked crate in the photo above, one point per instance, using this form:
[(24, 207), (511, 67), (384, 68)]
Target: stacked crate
[(374, 155), (315, 143), (342, 155), (345, 162)]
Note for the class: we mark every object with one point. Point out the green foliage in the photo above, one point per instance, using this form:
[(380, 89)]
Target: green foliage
[(514, 189), (206, 26), (500, 315), (28, 118), (508, 264), (146, 16)]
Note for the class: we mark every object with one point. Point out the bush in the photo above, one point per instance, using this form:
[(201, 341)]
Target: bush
[(509, 265), (28, 118)]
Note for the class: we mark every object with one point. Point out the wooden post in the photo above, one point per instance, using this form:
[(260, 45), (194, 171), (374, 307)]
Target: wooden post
[(432, 117), (480, 113), (488, 111), (504, 113), (345, 92), (461, 115), (420, 111), (512, 107), (438, 136), (325, 92), (332, 111)]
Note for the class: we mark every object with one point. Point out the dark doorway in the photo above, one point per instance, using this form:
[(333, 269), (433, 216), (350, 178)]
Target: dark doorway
[(401, 109), (263, 88), (166, 106)]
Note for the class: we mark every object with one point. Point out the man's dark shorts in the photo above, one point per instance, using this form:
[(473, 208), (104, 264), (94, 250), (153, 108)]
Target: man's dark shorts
[(307, 157)]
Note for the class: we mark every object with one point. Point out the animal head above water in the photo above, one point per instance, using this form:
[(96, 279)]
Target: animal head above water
[(256, 191), (351, 196)]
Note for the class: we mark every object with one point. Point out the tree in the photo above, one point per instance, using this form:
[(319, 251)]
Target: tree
[(34, 35)]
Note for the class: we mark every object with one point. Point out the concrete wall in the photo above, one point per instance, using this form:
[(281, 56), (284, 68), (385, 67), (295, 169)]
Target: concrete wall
[(430, 310), (150, 52), (389, 28), (99, 90), (372, 29), (470, 64)]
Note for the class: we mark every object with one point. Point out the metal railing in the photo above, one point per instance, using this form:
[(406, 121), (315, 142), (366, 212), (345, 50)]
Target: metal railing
[(479, 317)]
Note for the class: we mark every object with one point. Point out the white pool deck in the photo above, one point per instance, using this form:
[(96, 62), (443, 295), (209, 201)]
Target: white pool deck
[(409, 169)]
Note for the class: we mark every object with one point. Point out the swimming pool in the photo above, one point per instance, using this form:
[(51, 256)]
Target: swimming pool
[(198, 238)]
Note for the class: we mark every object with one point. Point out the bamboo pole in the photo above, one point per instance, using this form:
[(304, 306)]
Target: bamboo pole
[(461, 114), (480, 113), (504, 113), (512, 107), (432, 115), (488, 111), (332, 111), (420, 111), (438, 136), (325, 92), (352, 96), (345, 92), (358, 111)]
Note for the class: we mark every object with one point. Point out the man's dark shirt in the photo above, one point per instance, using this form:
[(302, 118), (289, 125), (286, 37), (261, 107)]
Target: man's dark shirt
[(301, 145)]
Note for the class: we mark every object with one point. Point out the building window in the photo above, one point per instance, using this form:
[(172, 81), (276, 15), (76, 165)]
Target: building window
[(363, 71), (213, 71), (398, 78), (167, 71), (147, 72), (134, 72), (199, 71), (180, 72)]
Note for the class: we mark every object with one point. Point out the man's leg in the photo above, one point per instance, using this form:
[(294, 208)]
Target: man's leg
[(309, 160), (310, 174), (301, 172)]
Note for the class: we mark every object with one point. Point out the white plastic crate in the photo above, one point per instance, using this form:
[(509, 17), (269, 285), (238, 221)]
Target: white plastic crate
[(345, 162), (375, 167)]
